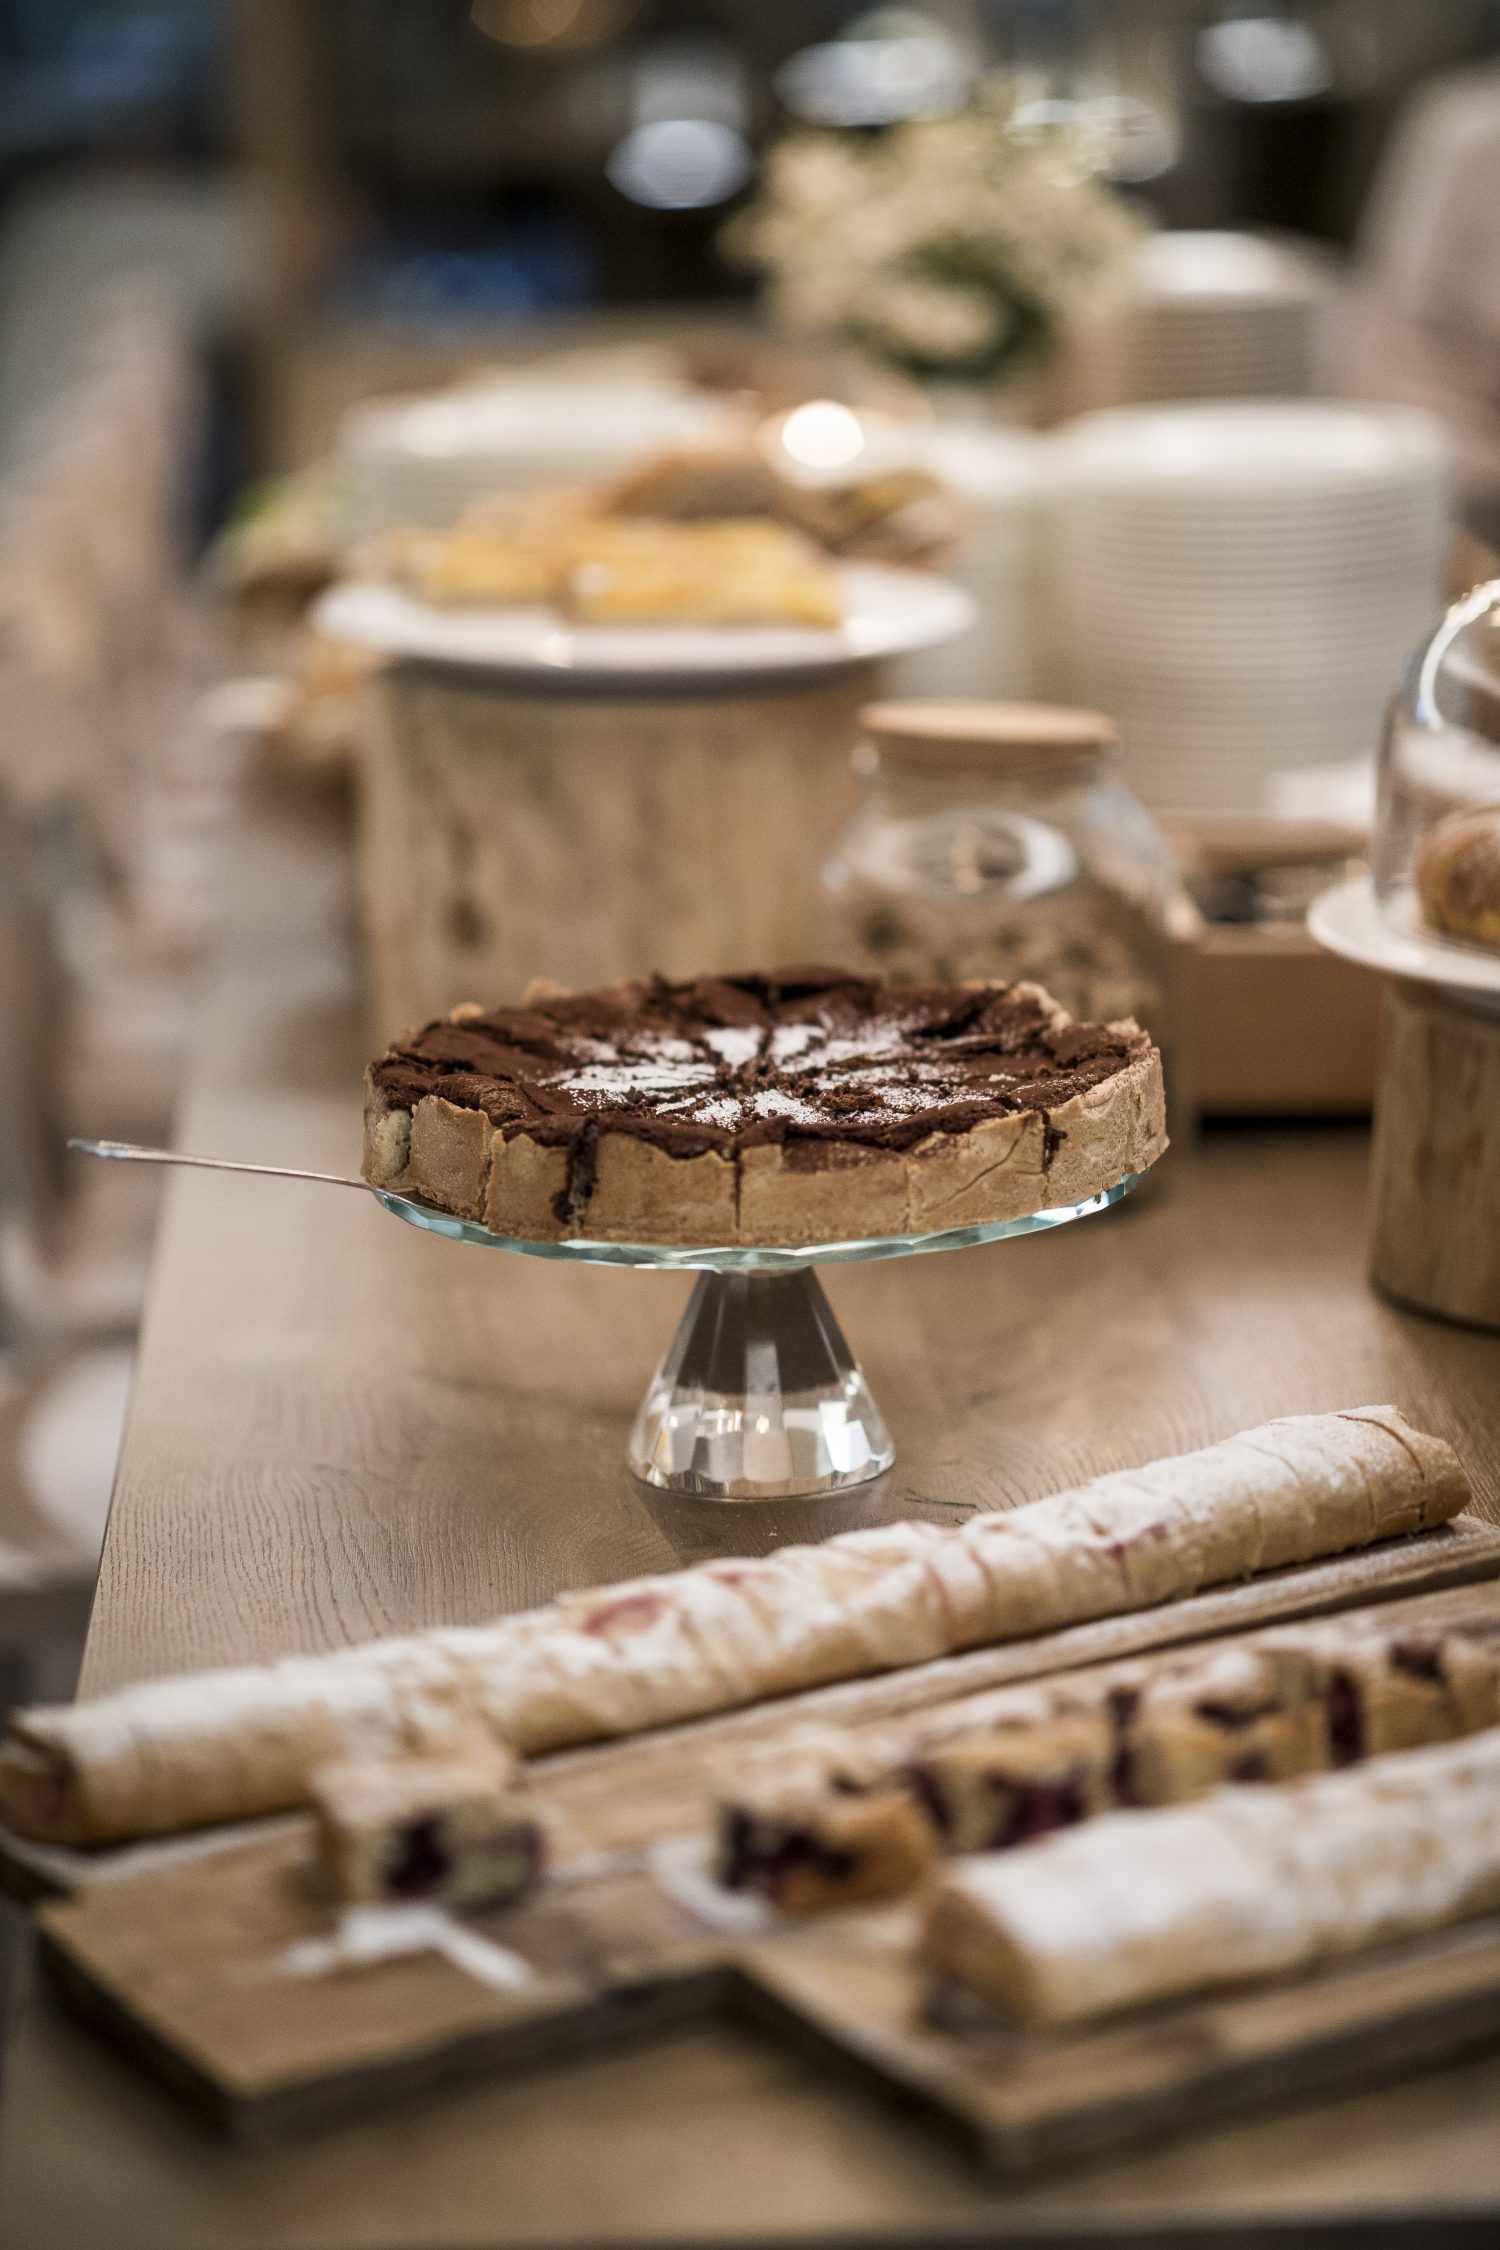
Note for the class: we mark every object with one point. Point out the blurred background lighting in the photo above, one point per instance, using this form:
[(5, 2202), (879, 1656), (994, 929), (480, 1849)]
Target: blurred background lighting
[(1264, 59), (1125, 139), (887, 66), (822, 435), (681, 163), (552, 23), (1135, 141)]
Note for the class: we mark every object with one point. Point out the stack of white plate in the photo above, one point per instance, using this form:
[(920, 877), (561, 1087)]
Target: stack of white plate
[(1205, 315), (1000, 474), (425, 460), (1240, 586)]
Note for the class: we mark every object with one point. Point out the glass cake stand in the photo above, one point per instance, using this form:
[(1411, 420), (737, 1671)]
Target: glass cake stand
[(758, 1397)]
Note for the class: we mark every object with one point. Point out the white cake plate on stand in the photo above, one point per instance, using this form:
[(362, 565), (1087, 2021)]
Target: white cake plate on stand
[(758, 1397), (1349, 920)]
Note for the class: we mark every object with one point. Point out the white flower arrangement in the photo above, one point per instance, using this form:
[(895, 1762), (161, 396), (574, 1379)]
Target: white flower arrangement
[(946, 245)]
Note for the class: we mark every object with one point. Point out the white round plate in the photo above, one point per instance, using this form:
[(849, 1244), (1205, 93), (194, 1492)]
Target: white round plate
[(1266, 449), (1372, 554), (886, 613), (1227, 692), (1000, 470), (1348, 921)]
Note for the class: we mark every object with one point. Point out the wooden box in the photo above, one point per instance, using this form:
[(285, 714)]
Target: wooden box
[(1278, 1027)]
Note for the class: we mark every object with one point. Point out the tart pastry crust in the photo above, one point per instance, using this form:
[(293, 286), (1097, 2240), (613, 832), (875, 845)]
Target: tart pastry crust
[(181, 1753), (808, 1105)]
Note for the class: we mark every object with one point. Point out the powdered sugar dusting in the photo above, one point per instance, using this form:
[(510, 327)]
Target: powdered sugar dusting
[(733, 1043), (716, 1081), (771, 1102), (723, 1109)]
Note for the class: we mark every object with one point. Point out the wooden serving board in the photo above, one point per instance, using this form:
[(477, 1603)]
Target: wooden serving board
[(193, 1968), (195, 1971), (1020, 2099), (623, 1793)]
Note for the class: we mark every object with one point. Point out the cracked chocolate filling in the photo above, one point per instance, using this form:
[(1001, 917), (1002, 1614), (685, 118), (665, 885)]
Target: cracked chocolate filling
[(824, 1063)]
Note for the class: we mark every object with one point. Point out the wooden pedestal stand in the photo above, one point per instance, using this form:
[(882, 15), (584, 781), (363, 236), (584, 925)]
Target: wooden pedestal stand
[(1436, 1239), (508, 835)]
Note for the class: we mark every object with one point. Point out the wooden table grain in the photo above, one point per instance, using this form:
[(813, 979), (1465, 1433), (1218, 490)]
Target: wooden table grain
[(342, 1428)]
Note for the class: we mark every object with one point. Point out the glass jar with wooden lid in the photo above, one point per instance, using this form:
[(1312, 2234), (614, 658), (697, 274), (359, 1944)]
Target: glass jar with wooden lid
[(999, 840)]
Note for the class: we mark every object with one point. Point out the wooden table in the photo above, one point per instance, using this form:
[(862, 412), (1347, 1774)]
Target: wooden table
[(343, 1428)]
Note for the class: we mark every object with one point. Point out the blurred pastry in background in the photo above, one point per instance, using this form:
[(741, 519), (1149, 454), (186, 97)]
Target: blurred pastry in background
[(742, 572), (551, 546), (317, 731), (1458, 875), (745, 369), (686, 483), (513, 548), (872, 502), (730, 531), (904, 517), (280, 549)]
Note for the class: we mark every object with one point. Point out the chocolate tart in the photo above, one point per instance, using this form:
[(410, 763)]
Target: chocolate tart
[(805, 1105)]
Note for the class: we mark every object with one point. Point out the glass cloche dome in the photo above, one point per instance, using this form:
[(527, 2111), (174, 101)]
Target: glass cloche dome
[(1437, 843)]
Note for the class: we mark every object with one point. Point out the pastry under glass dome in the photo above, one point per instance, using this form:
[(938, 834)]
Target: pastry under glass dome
[(1440, 758)]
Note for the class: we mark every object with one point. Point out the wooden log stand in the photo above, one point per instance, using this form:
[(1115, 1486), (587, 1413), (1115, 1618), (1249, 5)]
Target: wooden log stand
[(509, 834), (1436, 1229)]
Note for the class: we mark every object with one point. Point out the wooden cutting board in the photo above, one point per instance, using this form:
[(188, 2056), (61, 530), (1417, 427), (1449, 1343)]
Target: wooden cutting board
[(1020, 2099), (617, 1792), (197, 1971), (204, 1970)]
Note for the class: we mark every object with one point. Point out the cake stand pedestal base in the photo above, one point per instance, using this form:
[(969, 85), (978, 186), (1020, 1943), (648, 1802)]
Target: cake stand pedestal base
[(759, 1396), (1436, 1174)]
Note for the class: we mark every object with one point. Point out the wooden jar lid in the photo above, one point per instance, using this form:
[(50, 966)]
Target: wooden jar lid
[(998, 736)]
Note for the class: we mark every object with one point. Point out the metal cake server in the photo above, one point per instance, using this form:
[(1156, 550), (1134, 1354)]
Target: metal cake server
[(131, 1153)]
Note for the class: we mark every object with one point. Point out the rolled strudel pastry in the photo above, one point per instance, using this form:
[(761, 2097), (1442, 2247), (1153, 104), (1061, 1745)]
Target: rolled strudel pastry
[(1249, 1883), (228, 1745)]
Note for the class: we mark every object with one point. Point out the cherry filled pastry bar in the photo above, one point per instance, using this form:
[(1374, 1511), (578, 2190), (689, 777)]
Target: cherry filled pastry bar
[(804, 1105), (1027, 1762), (454, 1829)]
